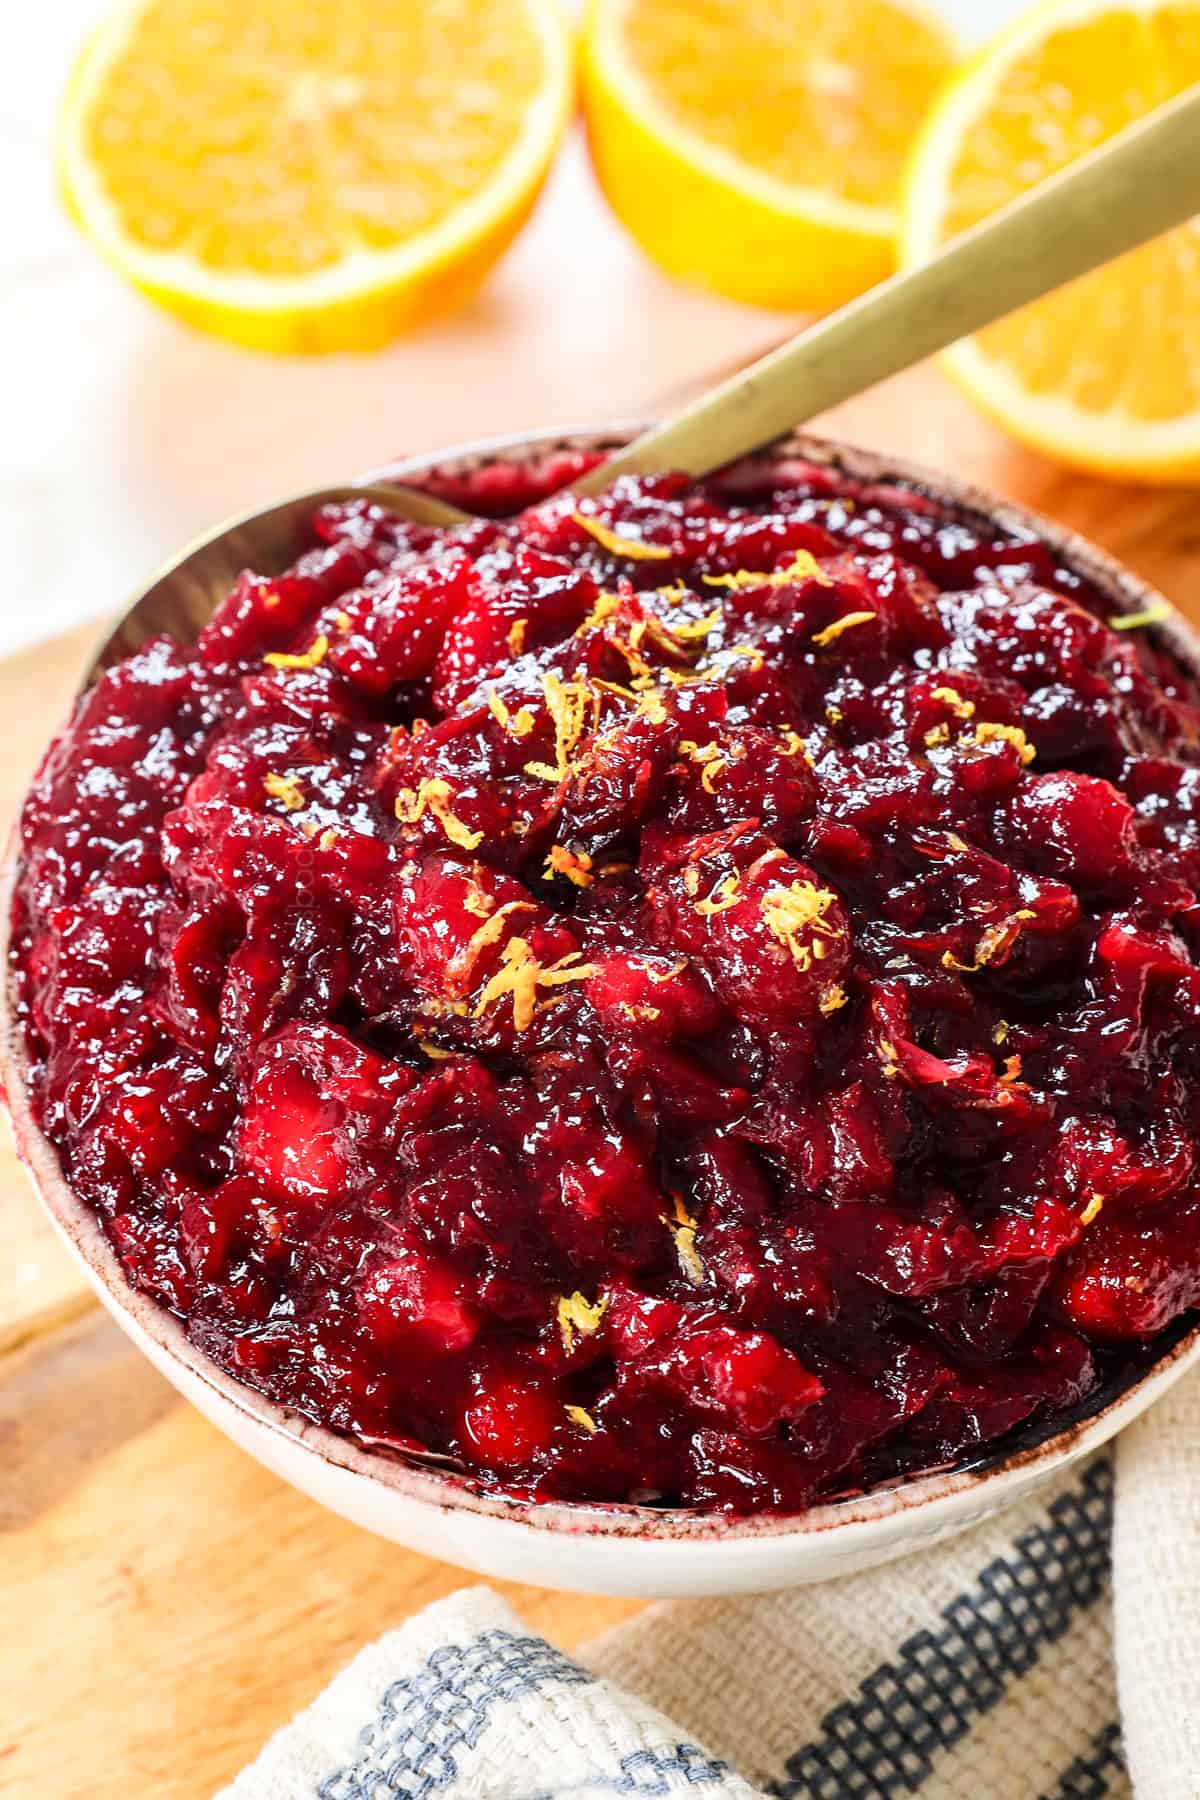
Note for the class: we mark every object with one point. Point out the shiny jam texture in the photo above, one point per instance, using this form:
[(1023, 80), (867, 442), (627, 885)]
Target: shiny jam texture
[(690, 998)]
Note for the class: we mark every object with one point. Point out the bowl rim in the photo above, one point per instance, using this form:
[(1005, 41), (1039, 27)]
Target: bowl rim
[(453, 1491)]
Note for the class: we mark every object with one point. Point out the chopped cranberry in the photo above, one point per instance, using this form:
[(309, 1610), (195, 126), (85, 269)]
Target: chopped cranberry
[(687, 998), (412, 1298)]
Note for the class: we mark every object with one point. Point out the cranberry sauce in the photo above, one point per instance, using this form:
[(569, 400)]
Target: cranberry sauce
[(687, 999)]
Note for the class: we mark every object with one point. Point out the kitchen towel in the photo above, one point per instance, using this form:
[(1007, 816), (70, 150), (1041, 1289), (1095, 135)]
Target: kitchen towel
[(1052, 1653)]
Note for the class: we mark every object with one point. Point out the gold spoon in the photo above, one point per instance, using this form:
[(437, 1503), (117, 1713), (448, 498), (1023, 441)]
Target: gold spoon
[(1140, 183), (1137, 185)]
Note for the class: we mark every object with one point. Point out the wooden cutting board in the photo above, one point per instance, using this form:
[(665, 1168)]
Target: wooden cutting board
[(166, 1603)]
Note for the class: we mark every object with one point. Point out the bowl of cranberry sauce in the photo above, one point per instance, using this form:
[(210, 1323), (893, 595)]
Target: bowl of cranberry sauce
[(669, 1020)]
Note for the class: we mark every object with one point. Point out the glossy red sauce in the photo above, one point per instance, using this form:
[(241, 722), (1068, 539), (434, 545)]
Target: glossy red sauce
[(693, 1001)]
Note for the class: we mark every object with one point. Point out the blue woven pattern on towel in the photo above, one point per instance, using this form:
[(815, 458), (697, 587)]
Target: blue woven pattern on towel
[(1090, 1776), (649, 1772), (926, 1698), (410, 1747)]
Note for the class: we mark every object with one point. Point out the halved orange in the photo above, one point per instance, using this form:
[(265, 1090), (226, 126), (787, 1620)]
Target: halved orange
[(312, 174), (757, 146), (1105, 373)]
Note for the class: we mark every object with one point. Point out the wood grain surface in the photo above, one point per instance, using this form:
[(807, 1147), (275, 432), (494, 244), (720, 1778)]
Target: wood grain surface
[(165, 1603)]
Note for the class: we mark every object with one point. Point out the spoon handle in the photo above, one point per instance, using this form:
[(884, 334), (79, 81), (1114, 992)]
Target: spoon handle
[(1140, 183)]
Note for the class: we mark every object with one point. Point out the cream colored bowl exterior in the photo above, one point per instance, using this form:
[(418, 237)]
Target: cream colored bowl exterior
[(591, 1549)]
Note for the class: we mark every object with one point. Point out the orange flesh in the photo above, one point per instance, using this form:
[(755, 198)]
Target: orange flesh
[(276, 138), (1078, 344), (824, 95)]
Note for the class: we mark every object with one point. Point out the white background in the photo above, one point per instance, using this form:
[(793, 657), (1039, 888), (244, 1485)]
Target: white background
[(125, 433)]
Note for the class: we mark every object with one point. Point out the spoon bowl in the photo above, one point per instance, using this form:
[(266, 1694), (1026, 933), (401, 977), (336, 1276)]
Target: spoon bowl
[(181, 597)]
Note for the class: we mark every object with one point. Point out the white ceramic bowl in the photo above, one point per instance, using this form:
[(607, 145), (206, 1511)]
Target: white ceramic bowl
[(616, 1550)]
